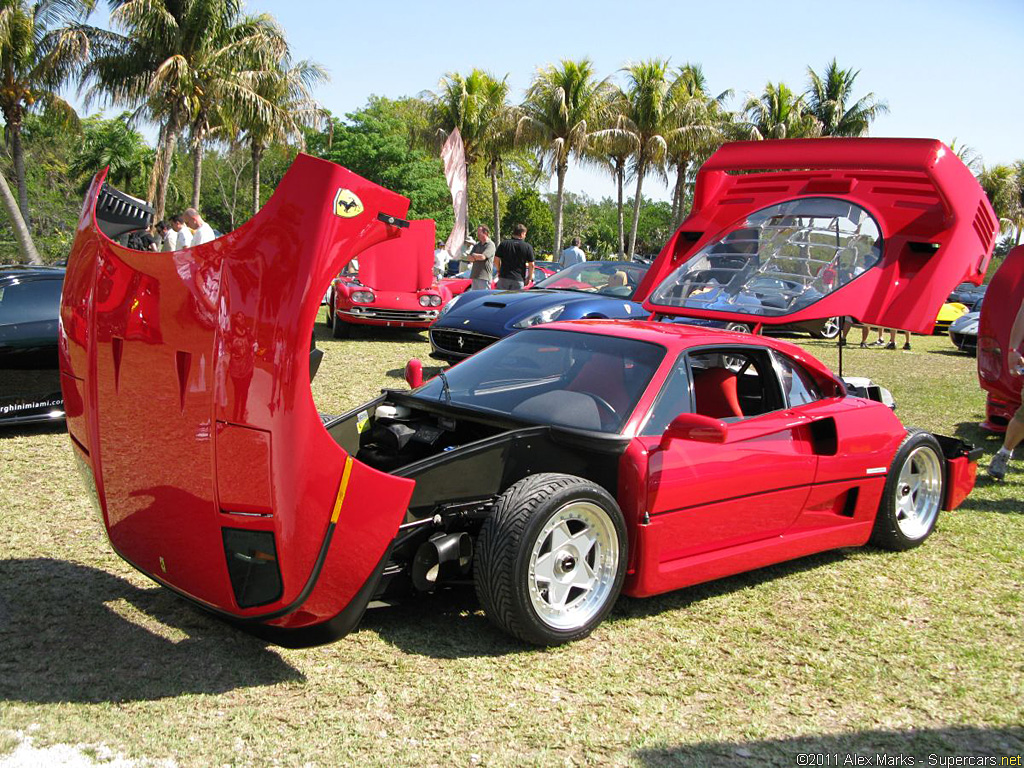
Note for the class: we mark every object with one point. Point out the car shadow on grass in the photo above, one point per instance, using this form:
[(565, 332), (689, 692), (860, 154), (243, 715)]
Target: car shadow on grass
[(74, 633), (53, 427), (450, 623), (927, 746)]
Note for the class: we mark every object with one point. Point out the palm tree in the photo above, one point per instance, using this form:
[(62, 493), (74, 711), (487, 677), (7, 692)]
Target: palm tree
[(701, 126), (173, 61), (827, 98), (778, 113), (113, 144), (611, 149), (477, 106), (563, 107), (648, 116), (226, 74), (40, 49), (1004, 185), (286, 95), (25, 244), (968, 155)]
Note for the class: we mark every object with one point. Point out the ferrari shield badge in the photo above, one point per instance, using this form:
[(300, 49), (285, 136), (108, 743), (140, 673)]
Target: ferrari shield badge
[(346, 204)]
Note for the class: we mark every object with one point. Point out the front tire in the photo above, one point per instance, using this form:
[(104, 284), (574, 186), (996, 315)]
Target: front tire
[(737, 327), (329, 320), (340, 329), (914, 491), (551, 559)]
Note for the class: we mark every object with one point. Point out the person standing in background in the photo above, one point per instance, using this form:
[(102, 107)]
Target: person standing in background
[(481, 257), (514, 261), (441, 259), (1015, 429), (182, 235), (202, 232), (573, 254)]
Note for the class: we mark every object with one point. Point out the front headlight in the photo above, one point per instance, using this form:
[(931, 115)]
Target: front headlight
[(363, 297), (451, 303), (430, 300), (548, 315)]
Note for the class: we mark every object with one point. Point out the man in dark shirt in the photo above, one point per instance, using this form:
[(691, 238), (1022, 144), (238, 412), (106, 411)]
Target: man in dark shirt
[(514, 261)]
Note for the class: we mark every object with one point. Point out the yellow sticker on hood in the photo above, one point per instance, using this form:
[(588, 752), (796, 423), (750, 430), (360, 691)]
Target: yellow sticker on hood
[(346, 204)]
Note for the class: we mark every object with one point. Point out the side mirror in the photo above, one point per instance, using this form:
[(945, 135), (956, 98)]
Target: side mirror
[(693, 426), (414, 373)]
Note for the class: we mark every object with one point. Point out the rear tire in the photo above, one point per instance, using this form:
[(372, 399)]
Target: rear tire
[(550, 560), (913, 495)]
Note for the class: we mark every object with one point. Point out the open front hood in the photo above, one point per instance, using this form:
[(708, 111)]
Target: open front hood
[(190, 411), (404, 264), (790, 230)]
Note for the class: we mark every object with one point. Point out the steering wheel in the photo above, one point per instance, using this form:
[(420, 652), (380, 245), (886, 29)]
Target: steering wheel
[(604, 404)]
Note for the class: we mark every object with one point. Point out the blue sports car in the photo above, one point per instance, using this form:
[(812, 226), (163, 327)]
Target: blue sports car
[(592, 289)]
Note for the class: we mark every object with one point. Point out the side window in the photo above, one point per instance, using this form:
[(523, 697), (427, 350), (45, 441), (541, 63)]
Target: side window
[(733, 383), (797, 385), (673, 400)]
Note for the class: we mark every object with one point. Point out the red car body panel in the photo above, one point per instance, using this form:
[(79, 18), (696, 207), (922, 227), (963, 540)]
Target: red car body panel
[(1002, 300), (202, 419), (398, 272), (918, 190)]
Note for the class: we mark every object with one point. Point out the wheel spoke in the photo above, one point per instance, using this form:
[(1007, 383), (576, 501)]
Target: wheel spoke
[(560, 534), (557, 592), (544, 569), (583, 541)]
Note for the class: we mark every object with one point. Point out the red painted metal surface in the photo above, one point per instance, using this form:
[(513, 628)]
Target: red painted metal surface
[(1002, 300), (960, 476), (192, 370), (917, 189), (398, 272)]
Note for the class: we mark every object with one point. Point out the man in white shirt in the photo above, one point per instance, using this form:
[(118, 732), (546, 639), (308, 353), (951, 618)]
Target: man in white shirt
[(168, 238), (441, 259), (201, 231), (180, 235), (573, 254)]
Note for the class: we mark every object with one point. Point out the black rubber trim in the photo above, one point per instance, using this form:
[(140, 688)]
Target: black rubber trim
[(328, 631)]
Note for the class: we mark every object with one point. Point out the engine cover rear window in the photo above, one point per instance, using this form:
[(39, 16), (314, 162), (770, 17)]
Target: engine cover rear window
[(778, 260)]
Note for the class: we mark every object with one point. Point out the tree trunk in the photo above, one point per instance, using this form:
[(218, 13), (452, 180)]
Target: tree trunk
[(25, 244), (620, 173), (19, 169), (170, 140), (197, 170), (641, 171), (495, 203), (157, 171), (560, 173), (257, 155), (680, 191)]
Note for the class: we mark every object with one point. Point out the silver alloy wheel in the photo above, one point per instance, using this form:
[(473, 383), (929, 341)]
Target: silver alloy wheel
[(573, 565), (737, 327), (918, 492), (831, 327)]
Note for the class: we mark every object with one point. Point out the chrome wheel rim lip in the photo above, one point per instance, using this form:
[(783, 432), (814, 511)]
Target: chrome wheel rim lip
[(918, 492), (573, 565), (830, 328)]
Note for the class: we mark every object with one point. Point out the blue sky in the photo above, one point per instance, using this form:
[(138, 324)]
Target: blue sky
[(947, 69)]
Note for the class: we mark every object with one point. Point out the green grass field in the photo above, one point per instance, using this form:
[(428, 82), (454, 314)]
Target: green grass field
[(854, 651)]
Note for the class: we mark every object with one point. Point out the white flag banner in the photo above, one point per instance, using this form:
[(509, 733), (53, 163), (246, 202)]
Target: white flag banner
[(453, 155)]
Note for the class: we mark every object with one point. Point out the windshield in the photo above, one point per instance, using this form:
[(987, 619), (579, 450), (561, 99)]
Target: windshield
[(561, 378), (611, 278), (778, 260)]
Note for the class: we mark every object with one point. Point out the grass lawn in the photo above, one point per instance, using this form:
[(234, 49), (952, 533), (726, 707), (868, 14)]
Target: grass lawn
[(855, 651)]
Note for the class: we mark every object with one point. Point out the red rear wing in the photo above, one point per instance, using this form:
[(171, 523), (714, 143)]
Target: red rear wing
[(188, 374), (937, 229)]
